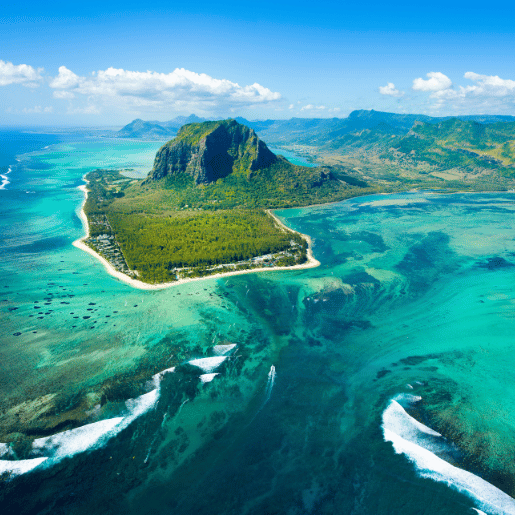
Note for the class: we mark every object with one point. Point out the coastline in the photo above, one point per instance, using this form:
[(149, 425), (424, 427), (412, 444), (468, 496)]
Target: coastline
[(311, 262)]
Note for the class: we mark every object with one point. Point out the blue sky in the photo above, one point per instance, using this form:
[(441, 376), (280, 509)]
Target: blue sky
[(93, 64)]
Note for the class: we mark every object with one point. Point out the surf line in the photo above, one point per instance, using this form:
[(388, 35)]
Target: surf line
[(50, 450), (5, 179), (419, 443)]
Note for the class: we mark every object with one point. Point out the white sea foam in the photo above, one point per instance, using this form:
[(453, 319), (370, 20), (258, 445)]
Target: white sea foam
[(207, 378), (19, 467), (5, 182), (90, 436), (140, 405), (4, 449), (221, 350), (157, 377), (208, 364), (419, 444), (76, 440)]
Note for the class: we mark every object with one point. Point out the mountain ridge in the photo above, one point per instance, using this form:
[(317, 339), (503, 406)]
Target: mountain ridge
[(306, 130)]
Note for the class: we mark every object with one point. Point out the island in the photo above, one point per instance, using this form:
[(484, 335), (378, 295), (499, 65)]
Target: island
[(205, 208)]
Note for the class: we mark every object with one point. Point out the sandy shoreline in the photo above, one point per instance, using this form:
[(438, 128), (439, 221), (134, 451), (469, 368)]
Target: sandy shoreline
[(311, 262)]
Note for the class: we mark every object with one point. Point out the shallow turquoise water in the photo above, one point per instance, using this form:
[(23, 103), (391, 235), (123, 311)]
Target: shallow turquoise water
[(414, 296)]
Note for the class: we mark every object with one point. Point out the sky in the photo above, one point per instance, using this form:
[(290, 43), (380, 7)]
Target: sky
[(107, 63)]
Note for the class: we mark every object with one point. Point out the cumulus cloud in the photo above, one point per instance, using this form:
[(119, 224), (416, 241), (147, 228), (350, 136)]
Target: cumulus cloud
[(311, 107), (490, 85), (437, 81), (180, 89), (19, 74), (390, 90), (487, 93)]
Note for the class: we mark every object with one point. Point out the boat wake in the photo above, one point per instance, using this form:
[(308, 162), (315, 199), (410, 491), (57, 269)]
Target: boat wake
[(270, 383), (429, 451)]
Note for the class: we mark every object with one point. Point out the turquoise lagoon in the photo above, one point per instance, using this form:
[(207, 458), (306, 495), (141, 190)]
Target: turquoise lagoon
[(380, 382)]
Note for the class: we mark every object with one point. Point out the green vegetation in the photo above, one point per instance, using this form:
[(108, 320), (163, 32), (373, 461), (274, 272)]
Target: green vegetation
[(164, 242), (280, 185), (157, 246), (455, 143), (201, 210)]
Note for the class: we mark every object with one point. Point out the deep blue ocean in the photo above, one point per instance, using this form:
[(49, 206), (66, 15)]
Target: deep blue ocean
[(380, 382)]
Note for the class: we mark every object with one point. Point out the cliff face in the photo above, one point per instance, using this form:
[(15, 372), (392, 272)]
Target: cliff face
[(210, 151)]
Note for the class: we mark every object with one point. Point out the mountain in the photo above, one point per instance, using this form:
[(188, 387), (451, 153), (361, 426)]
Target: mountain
[(369, 128), (361, 130), (460, 143), (210, 151), (224, 165), (144, 130)]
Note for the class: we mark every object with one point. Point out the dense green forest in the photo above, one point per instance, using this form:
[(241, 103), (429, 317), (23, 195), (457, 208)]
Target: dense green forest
[(156, 245)]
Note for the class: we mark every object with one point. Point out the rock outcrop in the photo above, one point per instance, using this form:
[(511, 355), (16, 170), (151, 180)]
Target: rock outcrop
[(210, 151)]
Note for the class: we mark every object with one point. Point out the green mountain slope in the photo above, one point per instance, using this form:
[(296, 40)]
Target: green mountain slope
[(458, 143), (224, 164)]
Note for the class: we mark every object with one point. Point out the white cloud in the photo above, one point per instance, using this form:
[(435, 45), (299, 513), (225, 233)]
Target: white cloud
[(390, 90), (19, 74), (63, 94), (37, 110), (311, 107), (486, 94), (180, 89), (490, 85), (437, 82), (291, 106)]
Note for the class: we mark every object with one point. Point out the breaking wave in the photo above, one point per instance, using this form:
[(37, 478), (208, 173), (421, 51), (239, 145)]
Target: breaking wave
[(426, 449), (52, 449)]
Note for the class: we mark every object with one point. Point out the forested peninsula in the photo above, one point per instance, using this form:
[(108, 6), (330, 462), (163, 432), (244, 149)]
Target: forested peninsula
[(203, 208)]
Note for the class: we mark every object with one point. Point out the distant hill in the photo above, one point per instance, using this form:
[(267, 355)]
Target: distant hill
[(461, 143), (140, 129), (144, 130), (361, 130)]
